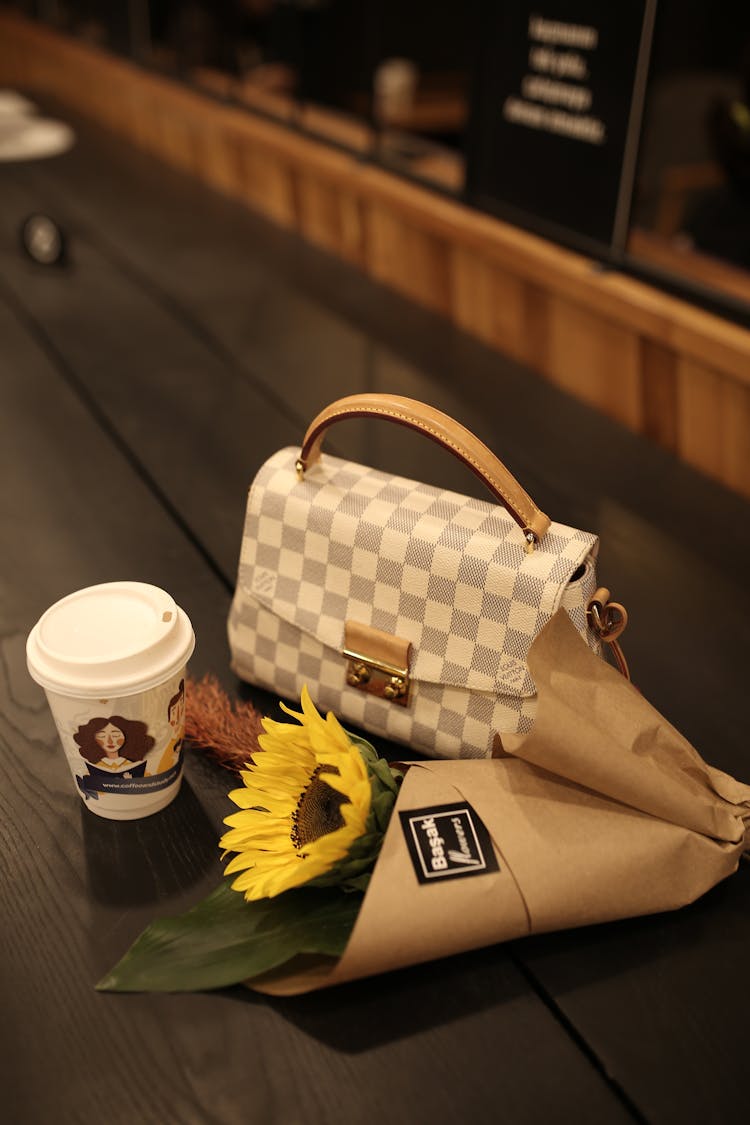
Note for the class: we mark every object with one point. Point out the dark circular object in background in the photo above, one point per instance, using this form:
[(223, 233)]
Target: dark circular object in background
[(43, 240)]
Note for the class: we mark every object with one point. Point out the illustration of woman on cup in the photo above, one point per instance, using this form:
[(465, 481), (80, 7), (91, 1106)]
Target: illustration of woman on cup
[(176, 716), (114, 747)]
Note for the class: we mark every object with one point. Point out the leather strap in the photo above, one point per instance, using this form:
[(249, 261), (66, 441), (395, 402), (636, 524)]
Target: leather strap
[(619, 655), (442, 429)]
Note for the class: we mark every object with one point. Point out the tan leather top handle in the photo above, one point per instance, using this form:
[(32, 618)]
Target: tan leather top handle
[(442, 429)]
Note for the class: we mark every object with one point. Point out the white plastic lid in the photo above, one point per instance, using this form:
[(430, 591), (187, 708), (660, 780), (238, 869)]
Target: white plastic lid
[(118, 638)]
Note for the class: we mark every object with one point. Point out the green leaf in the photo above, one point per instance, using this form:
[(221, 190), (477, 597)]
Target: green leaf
[(366, 749), (225, 940), (358, 883), (381, 809), (386, 774)]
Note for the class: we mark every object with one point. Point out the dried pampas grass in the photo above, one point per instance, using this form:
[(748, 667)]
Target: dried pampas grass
[(226, 729)]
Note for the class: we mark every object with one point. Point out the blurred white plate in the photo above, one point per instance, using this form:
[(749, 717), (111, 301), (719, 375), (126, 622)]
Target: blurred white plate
[(31, 138), (15, 105)]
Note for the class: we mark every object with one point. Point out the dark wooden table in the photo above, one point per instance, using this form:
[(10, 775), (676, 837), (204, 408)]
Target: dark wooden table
[(141, 387)]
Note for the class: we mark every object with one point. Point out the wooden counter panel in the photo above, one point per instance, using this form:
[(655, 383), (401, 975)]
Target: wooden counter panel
[(595, 359), (492, 304), (411, 260), (660, 404), (331, 219), (714, 423)]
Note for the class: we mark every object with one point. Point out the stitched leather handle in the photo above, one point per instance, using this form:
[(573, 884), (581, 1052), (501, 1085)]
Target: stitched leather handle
[(440, 428)]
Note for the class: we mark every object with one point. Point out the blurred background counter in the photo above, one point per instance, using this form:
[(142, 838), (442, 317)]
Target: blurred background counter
[(365, 127)]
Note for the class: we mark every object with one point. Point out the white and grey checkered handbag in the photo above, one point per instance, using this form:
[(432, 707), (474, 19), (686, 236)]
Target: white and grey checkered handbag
[(406, 609)]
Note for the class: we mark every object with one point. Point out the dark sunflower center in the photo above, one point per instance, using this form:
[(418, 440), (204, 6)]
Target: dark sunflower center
[(318, 810)]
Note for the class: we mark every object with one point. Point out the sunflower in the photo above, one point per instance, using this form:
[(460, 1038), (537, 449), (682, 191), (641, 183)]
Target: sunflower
[(314, 807)]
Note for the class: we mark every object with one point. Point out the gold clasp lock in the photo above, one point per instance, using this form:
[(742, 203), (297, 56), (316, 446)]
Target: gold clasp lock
[(377, 662), (377, 676)]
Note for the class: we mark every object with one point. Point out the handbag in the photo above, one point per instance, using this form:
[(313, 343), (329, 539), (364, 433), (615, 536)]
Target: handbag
[(408, 610)]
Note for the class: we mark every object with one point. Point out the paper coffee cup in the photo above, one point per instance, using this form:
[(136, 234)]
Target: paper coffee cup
[(395, 87), (111, 659)]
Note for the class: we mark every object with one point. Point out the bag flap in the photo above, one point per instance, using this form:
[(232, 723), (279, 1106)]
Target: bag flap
[(445, 572)]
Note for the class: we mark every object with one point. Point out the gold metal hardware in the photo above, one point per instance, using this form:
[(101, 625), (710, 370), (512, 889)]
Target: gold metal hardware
[(607, 619), (299, 465), (531, 541), (594, 615), (369, 674), (397, 687), (357, 674)]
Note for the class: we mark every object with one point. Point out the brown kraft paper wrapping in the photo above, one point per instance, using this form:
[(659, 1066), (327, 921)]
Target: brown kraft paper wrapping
[(603, 811)]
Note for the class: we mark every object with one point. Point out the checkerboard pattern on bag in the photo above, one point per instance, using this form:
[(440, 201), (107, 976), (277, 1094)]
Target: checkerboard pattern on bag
[(447, 573)]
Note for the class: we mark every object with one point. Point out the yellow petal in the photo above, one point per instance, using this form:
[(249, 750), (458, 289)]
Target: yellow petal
[(261, 832)]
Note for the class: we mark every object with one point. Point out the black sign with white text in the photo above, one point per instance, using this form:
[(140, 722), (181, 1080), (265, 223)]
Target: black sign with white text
[(447, 841), (557, 115)]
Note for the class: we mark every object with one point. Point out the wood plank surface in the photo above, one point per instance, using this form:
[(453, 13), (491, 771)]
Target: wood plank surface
[(201, 340), (85, 505), (76, 890)]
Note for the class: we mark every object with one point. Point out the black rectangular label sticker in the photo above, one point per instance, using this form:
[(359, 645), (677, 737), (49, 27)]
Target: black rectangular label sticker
[(447, 841)]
